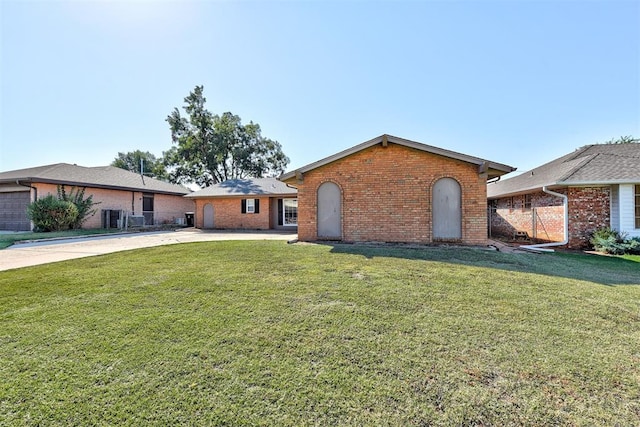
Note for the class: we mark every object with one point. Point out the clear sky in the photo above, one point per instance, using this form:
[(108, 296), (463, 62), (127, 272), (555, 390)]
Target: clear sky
[(517, 82)]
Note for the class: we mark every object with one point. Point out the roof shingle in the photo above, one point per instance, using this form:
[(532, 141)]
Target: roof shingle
[(591, 164), (100, 177)]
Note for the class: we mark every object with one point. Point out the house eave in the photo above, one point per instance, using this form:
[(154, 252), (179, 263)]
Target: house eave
[(33, 180), (495, 169)]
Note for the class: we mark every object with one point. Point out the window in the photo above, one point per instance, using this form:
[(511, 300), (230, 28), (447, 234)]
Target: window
[(290, 212), (527, 202), (637, 206), (250, 206)]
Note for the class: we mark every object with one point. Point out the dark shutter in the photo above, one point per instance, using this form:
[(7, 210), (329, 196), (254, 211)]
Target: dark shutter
[(280, 213), (257, 204), (243, 206)]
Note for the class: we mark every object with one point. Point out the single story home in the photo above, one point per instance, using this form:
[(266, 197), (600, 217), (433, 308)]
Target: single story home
[(596, 186), (253, 203), (390, 189), (119, 193)]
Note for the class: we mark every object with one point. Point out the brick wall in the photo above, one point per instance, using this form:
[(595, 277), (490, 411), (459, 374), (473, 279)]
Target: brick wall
[(589, 209), (227, 214), (166, 207), (511, 215), (386, 195)]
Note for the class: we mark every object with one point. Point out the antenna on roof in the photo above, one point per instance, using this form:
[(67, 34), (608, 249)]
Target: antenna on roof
[(142, 169)]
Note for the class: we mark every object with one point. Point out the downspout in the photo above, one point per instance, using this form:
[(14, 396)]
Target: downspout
[(543, 246)]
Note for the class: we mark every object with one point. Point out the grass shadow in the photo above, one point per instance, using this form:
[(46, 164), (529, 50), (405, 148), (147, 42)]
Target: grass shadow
[(603, 270)]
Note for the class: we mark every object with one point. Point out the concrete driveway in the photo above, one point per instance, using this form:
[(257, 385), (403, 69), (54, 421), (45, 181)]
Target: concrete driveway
[(28, 254)]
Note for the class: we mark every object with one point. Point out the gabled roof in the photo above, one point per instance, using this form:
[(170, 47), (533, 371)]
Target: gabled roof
[(109, 177), (246, 187), (590, 165), (493, 169)]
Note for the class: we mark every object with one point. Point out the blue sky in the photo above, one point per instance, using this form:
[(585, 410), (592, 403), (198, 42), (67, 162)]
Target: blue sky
[(518, 82)]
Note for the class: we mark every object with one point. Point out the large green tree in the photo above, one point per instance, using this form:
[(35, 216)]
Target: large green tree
[(133, 160), (210, 148)]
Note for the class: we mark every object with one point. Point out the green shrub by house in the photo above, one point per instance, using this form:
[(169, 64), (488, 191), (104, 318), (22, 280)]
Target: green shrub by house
[(614, 242), (52, 214)]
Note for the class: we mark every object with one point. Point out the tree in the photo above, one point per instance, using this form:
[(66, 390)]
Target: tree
[(131, 161), (210, 149), (628, 139)]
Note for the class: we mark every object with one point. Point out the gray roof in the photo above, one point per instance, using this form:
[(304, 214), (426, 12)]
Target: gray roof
[(109, 177), (589, 165), (493, 169), (246, 187)]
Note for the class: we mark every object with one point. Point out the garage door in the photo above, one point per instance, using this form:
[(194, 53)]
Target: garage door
[(13, 211)]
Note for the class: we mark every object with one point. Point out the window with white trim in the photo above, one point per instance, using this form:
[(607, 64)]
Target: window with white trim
[(250, 206), (290, 212)]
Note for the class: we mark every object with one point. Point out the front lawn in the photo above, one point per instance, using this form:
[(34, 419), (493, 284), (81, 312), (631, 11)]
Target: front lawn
[(265, 333)]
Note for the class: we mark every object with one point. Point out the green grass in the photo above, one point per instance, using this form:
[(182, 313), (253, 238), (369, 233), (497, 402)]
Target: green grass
[(264, 333), (8, 239)]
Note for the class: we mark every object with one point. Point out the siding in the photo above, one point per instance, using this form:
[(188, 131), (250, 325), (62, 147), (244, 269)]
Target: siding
[(627, 210), (615, 207)]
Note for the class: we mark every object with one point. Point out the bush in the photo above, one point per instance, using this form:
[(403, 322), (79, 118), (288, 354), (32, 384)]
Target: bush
[(52, 214), (613, 242), (84, 206)]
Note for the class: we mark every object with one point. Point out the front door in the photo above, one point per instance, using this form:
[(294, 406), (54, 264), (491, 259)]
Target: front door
[(329, 211), (147, 208), (447, 210)]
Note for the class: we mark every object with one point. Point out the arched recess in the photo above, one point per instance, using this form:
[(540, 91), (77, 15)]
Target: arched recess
[(329, 211), (207, 216), (447, 210)]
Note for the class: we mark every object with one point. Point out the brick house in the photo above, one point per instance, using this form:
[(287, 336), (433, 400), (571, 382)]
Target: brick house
[(600, 182), (120, 194), (391, 189), (256, 203)]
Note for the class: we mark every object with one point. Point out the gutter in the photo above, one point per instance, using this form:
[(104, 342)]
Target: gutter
[(543, 247), (28, 186)]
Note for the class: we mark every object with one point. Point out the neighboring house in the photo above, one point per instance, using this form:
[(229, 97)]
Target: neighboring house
[(119, 193), (254, 203), (602, 186), (391, 189)]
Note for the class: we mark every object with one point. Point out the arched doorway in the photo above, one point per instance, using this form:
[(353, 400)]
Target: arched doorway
[(447, 210), (207, 216), (329, 211)]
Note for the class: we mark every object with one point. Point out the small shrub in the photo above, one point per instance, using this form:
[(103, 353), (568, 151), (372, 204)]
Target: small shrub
[(613, 242), (634, 245), (51, 214)]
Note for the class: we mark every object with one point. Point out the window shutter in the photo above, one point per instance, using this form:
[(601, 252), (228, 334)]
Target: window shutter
[(280, 209), (243, 206), (257, 206)]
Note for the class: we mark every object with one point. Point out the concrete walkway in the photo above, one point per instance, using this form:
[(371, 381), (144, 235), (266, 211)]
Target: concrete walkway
[(43, 252)]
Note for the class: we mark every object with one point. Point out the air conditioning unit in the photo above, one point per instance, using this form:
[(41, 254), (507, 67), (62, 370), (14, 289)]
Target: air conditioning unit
[(136, 221)]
